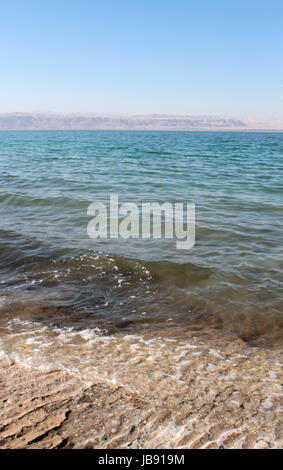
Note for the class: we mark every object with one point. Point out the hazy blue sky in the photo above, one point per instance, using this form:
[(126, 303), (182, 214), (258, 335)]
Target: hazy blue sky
[(142, 56)]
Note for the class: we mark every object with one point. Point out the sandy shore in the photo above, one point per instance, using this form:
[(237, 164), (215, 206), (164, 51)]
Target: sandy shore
[(56, 409)]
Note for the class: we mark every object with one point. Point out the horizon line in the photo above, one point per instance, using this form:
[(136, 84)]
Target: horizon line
[(41, 120)]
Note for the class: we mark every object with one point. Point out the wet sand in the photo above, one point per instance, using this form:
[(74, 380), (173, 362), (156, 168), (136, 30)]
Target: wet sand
[(224, 397)]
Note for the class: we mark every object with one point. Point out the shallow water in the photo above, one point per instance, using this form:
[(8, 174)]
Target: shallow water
[(53, 276)]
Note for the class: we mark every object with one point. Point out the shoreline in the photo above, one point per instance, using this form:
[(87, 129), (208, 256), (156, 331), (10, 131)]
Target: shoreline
[(59, 409)]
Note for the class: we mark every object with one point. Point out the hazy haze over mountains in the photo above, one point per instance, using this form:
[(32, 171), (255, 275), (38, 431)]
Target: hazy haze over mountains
[(50, 121)]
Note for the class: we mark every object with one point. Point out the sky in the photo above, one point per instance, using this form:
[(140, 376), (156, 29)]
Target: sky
[(221, 57)]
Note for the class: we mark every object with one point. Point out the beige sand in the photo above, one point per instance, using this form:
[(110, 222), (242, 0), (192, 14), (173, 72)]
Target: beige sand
[(56, 409)]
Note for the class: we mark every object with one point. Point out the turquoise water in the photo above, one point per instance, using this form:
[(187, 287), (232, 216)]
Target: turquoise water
[(231, 280)]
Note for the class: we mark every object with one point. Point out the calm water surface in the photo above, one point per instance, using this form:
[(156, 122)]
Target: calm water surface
[(51, 272)]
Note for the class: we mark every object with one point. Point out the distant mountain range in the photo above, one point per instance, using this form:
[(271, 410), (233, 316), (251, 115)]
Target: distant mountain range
[(49, 121)]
